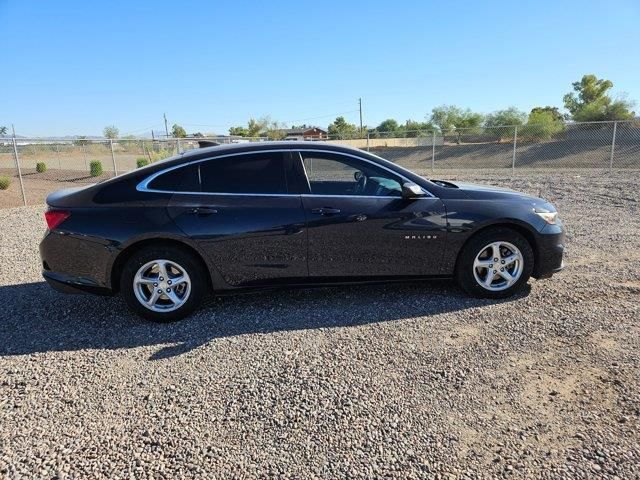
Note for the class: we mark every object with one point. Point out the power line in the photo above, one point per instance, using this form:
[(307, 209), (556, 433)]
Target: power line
[(143, 129), (202, 125)]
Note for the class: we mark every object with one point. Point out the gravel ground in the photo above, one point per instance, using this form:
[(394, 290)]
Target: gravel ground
[(400, 381)]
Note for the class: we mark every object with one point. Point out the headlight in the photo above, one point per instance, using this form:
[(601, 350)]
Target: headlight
[(549, 217)]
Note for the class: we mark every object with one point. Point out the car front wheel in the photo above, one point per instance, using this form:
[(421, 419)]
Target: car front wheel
[(163, 284), (495, 264)]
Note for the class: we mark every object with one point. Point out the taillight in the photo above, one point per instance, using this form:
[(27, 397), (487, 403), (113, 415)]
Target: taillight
[(55, 217)]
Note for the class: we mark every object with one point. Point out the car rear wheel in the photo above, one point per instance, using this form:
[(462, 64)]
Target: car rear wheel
[(163, 284), (495, 264)]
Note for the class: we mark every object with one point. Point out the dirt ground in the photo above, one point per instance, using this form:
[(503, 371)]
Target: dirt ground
[(38, 185)]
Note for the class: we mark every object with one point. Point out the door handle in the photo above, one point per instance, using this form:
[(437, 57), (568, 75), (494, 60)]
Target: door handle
[(325, 211), (203, 211)]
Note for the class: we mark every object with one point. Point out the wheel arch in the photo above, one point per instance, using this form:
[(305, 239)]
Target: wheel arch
[(519, 227), (131, 249)]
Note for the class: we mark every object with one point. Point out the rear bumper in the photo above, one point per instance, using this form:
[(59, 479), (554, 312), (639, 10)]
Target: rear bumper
[(75, 264), (550, 252), (66, 284)]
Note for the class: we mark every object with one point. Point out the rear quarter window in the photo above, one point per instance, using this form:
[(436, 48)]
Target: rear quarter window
[(182, 179)]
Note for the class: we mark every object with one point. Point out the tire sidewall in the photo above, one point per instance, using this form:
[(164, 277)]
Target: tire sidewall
[(184, 259), (464, 268)]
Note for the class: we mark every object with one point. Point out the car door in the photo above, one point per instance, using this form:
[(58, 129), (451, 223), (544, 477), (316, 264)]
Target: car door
[(244, 218), (360, 226)]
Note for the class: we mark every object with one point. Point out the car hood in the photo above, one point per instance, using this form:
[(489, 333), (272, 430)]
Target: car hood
[(475, 191)]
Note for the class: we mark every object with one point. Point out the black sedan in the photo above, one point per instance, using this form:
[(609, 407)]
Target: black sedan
[(247, 216)]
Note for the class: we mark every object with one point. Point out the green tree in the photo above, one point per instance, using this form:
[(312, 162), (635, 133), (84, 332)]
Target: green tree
[(341, 129), (542, 124), (502, 123), (388, 125), (417, 129), (3, 130), (111, 132), (273, 129), (177, 131), (452, 118), (80, 141), (255, 128), (239, 131), (553, 111), (589, 101), (509, 116)]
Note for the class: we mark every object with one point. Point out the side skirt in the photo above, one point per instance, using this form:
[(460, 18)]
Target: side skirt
[(320, 282)]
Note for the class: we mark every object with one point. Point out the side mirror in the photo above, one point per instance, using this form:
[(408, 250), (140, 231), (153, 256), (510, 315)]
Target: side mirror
[(412, 190)]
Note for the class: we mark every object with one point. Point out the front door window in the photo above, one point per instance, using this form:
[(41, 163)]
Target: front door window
[(335, 174)]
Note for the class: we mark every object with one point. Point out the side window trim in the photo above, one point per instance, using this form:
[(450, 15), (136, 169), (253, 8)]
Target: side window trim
[(143, 186)]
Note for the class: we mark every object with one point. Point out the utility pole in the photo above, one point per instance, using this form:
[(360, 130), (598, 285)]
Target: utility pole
[(166, 129), (360, 107)]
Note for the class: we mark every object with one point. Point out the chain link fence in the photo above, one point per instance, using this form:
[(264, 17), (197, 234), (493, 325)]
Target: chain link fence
[(30, 168)]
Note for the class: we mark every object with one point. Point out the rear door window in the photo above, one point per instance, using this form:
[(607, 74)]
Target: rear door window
[(251, 173)]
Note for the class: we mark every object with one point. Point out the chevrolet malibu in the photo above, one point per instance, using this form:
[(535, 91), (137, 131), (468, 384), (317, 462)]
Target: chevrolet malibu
[(249, 216)]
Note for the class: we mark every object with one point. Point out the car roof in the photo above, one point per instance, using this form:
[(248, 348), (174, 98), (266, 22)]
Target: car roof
[(268, 145)]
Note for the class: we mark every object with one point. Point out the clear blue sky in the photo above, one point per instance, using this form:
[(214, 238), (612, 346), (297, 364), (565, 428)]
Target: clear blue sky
[(72, 67)]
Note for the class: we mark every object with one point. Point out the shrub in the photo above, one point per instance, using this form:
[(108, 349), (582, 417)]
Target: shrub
[(141, 162), (160, 154), (4, 183), (41, 167), (95, 168)]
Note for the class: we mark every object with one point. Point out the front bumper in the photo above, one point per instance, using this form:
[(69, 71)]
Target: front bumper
[(550, 251)]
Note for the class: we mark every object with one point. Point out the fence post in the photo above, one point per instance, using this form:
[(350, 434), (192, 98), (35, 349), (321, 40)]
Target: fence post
[(15, 152), (368, 134), (613, 145), (433, 151), (113, 158), (58, 155), (515, 143), (84, 154)]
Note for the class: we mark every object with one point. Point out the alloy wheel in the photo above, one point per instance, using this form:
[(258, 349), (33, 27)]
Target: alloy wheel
[(162, 285), (498, 266)]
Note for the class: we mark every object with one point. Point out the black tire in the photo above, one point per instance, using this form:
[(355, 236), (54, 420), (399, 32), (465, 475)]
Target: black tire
[(464, 267), (189, 262)]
